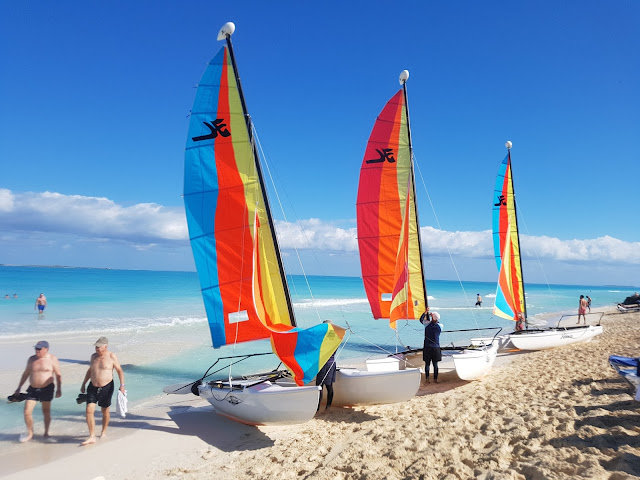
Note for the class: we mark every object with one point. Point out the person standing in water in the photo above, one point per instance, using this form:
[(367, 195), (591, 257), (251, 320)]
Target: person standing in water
[(101, 387), (41, 304), (478, 300), (43, 372)]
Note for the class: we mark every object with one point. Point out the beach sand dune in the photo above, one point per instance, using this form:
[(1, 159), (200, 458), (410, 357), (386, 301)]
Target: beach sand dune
[(555, 414)]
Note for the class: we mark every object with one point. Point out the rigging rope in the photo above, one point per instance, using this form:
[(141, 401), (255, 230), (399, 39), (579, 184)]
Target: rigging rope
[(447, 245)]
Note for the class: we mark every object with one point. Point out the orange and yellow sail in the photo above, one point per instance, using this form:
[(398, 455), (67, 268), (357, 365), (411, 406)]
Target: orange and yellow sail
[(234, 246), (510, 300), (388, 231)]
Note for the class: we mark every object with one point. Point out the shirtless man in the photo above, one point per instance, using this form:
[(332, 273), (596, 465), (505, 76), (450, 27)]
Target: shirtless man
[(41, 303), (100, 388), (41, 370)]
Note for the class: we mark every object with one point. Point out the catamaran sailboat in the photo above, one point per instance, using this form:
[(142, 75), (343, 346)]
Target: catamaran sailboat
[(391, 256), (510, 302), (236, 253)]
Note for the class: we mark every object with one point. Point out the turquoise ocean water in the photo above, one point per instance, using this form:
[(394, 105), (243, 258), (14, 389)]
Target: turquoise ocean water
[(165, 308)]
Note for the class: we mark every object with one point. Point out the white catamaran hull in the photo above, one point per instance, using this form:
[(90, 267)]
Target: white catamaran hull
[(473, 364), (502, 342), (382, 383), (543, 339), (266, 403), (469, 364)]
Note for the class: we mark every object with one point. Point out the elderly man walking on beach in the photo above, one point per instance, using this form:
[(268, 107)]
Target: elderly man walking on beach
[(41, 370), (101, 387)]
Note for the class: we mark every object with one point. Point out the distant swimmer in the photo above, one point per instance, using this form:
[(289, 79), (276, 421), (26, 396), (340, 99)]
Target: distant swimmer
[(41, 303), (6, 296), (478, 300), (15, 295)]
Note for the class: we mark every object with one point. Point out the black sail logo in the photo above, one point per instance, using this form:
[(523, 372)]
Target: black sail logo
[(217, 127), (385, 154)]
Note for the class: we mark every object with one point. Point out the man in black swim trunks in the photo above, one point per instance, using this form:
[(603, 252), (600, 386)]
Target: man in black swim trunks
[(100, 390), (42, 368)]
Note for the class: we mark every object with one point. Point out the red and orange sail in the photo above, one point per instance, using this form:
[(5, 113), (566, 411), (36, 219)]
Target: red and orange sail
[(388, 231)]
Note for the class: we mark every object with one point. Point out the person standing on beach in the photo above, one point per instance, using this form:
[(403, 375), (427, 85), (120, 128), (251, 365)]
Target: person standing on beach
[(101, 387), (41, 303), (326, 377), (43, 372), (589, 303), (478, 300), (582, 309), (431, 352)]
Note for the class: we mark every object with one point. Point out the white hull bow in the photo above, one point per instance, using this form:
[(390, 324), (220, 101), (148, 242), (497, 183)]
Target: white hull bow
[(384, 381), (266, 403), (473, 364)]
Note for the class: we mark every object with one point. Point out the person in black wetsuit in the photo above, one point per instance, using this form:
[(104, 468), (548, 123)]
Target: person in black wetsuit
[(431, 352), (326, 376)]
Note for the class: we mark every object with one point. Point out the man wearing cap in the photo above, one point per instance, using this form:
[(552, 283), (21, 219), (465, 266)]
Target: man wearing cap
[(42, 369), (101, 387), (431, 352)]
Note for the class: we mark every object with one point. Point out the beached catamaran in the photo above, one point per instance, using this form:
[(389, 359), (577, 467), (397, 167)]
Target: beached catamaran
[(510, 302), (236, 253), (391, 252)]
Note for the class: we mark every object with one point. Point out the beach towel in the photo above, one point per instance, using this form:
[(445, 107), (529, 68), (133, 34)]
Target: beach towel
[(121, 404)]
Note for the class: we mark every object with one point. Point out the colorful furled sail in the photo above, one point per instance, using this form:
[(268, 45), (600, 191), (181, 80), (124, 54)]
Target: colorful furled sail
[(390, 255), (305, 351), (232, 236), (510, 299)]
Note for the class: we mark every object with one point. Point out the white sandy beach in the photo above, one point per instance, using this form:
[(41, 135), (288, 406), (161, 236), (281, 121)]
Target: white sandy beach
[(561, 413)]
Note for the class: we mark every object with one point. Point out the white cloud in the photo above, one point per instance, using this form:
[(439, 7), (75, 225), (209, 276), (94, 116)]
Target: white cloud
[(317, 235), (94, 217), (146, 226), (6, 200)]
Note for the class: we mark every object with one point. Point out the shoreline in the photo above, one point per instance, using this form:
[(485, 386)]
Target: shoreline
[(547, 414)]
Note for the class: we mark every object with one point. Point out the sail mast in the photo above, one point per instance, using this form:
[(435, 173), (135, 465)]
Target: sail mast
[(403, 81), (226, 34), (515, 216)]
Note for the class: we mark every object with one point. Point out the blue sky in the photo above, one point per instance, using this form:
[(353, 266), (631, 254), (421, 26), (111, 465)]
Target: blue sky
[(94, 104)]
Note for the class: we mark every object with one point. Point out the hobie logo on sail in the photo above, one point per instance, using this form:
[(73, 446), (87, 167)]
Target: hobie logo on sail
[(385, 154), (501, 201), (216, 127)]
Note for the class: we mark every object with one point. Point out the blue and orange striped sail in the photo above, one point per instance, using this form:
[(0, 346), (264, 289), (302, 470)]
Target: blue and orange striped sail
[(510, 300), (390, 255), (232, 236)]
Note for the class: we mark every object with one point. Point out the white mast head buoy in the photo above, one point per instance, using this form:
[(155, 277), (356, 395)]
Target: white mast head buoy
[(227, 29), (404, 76), (508, 144)]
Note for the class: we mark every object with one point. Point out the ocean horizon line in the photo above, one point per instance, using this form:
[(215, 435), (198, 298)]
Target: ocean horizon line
[(72, 267)]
